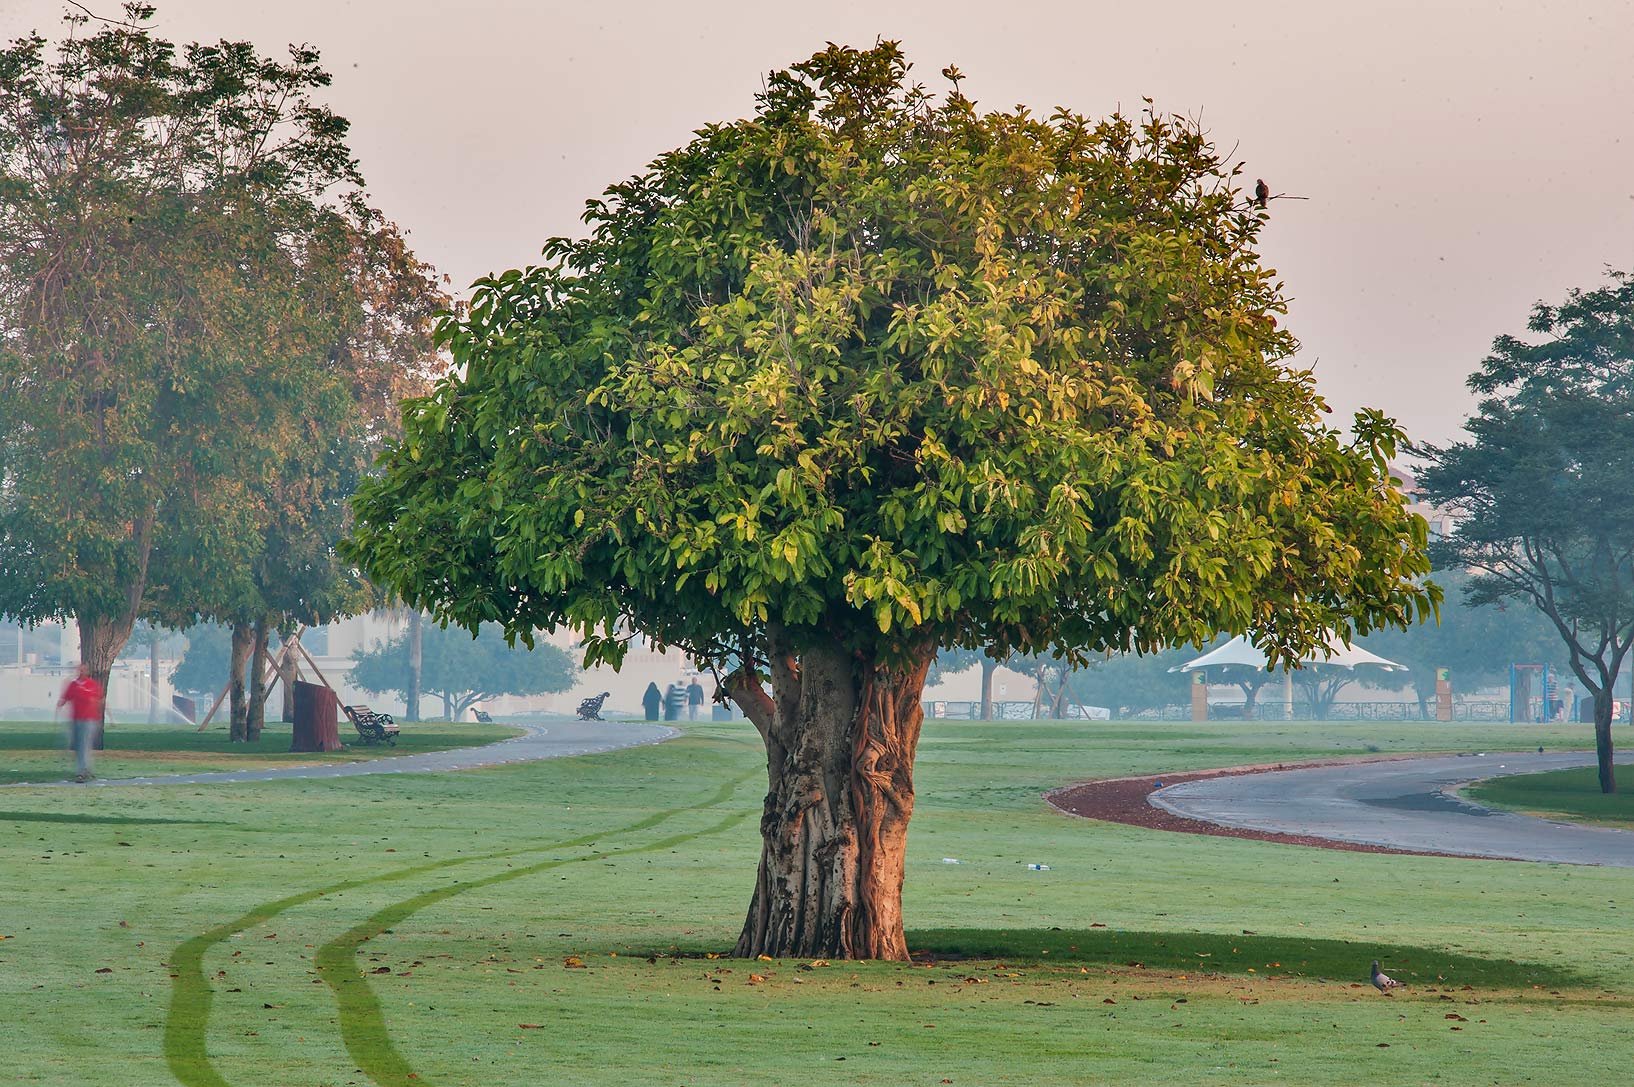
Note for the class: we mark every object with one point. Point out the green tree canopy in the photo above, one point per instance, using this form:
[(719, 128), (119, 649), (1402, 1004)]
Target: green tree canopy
[(201, 322), (871, 373), (1541, 487), (466, 670)]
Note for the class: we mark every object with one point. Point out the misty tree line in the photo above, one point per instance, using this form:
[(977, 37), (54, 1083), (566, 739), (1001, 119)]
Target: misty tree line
[(205, 334)]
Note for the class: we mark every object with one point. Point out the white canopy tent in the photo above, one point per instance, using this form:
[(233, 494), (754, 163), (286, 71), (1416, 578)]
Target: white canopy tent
[(1241, 652)]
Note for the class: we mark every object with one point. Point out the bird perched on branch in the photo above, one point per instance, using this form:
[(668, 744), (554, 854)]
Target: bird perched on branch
[(1262, 192), (1381, 981)]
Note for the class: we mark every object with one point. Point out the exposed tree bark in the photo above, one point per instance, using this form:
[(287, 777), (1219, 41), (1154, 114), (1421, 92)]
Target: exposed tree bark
[(841, 734), (1602, 739), (243, 641), (100, 640), (989, 666), (289, 673), (255, 718), (411, 707)]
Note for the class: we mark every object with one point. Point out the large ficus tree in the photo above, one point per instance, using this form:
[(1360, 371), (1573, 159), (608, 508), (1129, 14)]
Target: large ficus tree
[(867, 374), (1544, 485)]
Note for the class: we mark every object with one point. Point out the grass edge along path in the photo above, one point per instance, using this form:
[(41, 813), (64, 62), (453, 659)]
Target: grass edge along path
[(1570, 795), (363, 1024), (187, 1019)]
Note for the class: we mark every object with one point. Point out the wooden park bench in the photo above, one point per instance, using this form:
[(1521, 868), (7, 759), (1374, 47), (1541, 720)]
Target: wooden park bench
[(482, 717), (373, 727)]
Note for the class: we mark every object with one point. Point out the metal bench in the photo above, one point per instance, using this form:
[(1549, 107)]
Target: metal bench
[(482, 717), (590, 708), (372, 727)]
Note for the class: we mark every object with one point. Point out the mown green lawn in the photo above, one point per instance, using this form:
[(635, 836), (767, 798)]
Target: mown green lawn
[(35, 751), (1559, 794), (555, 923)]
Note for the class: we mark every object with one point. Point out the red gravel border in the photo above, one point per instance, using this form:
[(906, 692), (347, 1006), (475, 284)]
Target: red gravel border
[(1124, 800)]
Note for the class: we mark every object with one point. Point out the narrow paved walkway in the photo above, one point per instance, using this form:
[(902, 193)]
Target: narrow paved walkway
[(1403, 804), (552, 741)]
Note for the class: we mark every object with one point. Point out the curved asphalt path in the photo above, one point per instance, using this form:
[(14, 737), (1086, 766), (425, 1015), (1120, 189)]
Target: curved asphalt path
[(553, 741), (1405, 804)]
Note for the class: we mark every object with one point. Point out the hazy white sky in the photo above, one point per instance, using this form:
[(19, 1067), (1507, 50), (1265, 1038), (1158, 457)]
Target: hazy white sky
[(1463, 159)]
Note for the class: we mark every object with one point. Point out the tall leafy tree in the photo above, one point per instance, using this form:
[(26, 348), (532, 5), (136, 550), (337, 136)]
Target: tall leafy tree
[(1476, 642), (464, 670), (868, 374), (139, 187), (203, 330), (1542, 486)]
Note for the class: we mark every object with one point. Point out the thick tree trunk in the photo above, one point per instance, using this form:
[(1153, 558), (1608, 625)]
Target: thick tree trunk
[(255, 718), (1251, 694), (100, 641), (989, 666), (1602, 739), (289, 674), (411, 704), (840, 734), (243, 641)]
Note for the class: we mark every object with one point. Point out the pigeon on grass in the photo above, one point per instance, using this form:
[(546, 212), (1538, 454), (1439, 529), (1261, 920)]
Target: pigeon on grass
[(1381, 981)]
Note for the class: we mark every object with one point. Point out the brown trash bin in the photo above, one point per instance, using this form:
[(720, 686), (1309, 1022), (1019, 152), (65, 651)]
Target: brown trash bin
[(317, 717)]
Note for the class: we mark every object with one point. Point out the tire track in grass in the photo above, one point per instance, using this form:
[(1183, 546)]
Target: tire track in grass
[(187, 1020), (363, 1023)]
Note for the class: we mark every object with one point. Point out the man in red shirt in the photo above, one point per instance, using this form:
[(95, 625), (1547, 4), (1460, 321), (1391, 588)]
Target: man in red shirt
[(83, 697)]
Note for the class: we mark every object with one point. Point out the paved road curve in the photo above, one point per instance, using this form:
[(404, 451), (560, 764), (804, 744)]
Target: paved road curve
[(555, 740), (1404, 804)]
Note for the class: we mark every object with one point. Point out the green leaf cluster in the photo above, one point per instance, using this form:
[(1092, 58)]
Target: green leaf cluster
[(883, 369)]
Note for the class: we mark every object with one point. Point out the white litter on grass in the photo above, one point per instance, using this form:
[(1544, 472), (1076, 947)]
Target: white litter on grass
[(951, 860), (1038, 868)]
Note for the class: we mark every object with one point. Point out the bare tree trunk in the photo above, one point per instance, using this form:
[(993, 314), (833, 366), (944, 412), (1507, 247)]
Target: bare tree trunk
[(989, 666), (1602, 739), (840, 735), (289, 672), (1251, 694), (255, 718), (243, 642), (411, 707), (100, 641)]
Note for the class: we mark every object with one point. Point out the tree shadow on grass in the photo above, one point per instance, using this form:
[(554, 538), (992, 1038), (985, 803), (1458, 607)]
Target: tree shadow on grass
[(1218, 953), (116, 820)]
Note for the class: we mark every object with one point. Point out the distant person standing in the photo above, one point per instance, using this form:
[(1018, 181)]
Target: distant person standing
[(652, 701), (675, 697), (695, 699), (83, 697)]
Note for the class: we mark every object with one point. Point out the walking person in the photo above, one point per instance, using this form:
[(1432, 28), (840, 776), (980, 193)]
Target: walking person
[(83, 697), (695, 699), (652, 701), (675, 697)]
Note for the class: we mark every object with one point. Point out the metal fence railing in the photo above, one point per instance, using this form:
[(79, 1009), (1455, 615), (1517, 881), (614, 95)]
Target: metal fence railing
[(1495, 712)]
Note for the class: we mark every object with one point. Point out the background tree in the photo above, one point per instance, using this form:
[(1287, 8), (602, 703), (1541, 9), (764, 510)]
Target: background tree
[(139, 189), (203, 665), (871, 374), (464, 670), (1543, 486), (1476, 642)]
